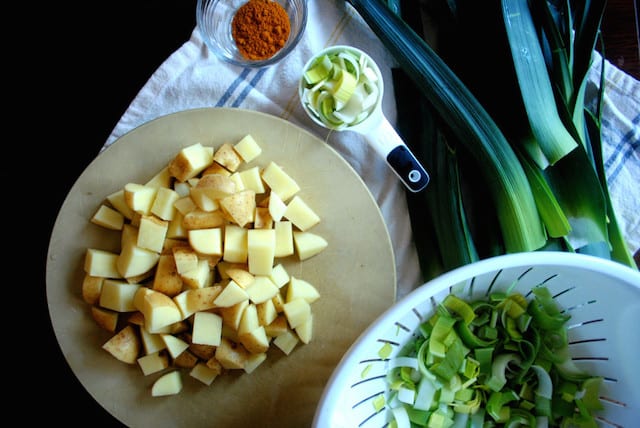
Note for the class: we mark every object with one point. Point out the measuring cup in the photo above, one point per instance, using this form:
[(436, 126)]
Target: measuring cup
[(376, 129)]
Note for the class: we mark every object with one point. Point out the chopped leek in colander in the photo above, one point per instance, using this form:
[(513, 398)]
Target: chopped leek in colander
[(502, 361), (340, 88)]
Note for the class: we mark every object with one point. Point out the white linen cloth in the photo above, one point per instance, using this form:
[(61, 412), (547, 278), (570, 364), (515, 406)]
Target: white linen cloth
[(193, 77)]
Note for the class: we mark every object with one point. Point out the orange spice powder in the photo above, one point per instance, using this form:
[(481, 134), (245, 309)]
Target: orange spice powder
[(260, 28)]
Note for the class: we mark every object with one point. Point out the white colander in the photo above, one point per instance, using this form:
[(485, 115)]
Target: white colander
[(602, 297)]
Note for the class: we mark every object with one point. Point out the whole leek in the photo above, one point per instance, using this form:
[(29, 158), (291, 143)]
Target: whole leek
[(521, 225)]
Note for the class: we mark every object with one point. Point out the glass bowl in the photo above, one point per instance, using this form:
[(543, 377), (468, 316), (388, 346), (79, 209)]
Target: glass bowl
[(214, 17)]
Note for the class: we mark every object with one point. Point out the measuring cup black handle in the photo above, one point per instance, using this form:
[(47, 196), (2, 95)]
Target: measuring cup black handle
[(407, 168)]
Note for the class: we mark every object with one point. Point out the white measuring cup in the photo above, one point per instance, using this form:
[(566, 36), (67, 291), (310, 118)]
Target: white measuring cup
[(376, 129)]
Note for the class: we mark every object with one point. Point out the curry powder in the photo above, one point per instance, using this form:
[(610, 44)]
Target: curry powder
[(260, 28)]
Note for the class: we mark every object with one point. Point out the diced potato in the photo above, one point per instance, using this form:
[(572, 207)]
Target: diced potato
[(240, 275), (124, 345), (108, 218), (140, 197), (159, 311), (198, 219), (231, 295), (286, 341), (276, 206), (185, 259), (230, 355), (152, 233), (200, 277), (279, 181), (151, 342), (267, 312), (232, 315), (215, 186), (248, 148), (167, 384), (134, 260), (201, 299), (162, 179), (185, 360), (253, 361), (252, 180), (207, 328), (284, 239), (167, 279), (118, 295), (101, 263), (240, 207), (261, 250), (153, 363), (249, 320), (277, 327), (261, 289), (297, 312), (174, 345), (255, 341), (262, 219), (117, 201), (190, 161), (91, 288), (301, 289), (203, 373), (301, 214), (235, 244), (227, 156), (164, 204), (308, 244), (105, 318), (279, 275), (185, 205), (206, 241)]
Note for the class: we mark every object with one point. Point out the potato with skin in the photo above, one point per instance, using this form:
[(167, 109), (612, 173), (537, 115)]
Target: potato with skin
[(124, 345)]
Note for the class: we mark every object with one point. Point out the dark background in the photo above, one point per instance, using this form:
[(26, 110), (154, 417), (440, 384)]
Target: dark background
[(86, 62)]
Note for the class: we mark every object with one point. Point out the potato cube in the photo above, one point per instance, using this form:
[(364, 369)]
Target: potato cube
[(277, 327), (276, 206), (232, 315), (261, 289), (266, 312), (286, 341), (231, 295), (91, 288), (176, 229), (255, 341), (164, 204), (190, 161), (201, 299), (200, 277), (159, 311), (249, 320), (101, 263), (231, 355), (139, 197), (174, 345), (240, 207), (235, 244), (240, 275), (279, 275), (215, 186), (117, 201), (301, 289), (206, 241), (253, 361), (308, 244), (228, 157), (105, 318), (162, 179), (153, 363), (262, 219), (186, 360), (118, 295), (167, 280), (248, 148), (134, 260), (261, 250), (185, 259), (199, 219), (297, 312), (279, 181), (203, 373), (185, 205), (207, 328), (124, 345), (301, 214), (167, 384), (252, 180), (152, 233), (305, 330), (284, 238), (108, 218), (151, 342)]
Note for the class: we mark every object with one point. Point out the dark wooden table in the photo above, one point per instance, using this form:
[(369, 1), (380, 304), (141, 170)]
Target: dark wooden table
[(96, 58)]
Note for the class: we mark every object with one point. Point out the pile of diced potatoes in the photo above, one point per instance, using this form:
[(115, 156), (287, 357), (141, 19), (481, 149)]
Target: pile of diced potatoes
[(197, 286)]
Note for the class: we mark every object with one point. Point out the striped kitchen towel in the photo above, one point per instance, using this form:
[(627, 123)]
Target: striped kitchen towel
[(193, 77)]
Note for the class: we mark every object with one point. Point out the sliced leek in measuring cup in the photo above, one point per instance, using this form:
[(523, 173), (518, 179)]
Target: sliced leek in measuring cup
[(341, 89)]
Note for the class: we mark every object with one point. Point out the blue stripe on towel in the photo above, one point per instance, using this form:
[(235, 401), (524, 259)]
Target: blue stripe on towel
[(227, 94), (628, 144), (248, 88)]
